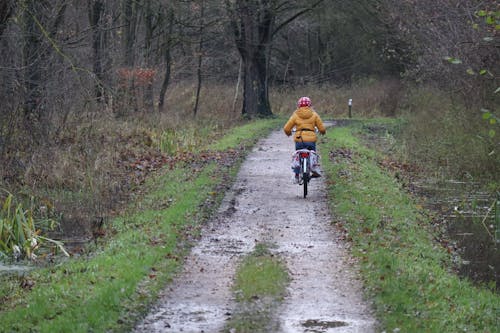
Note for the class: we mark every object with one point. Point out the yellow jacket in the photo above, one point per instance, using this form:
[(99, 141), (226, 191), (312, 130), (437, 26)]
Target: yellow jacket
[(305, 120)]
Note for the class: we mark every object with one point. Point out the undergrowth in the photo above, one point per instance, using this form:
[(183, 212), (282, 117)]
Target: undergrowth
[(109, 286), (448, 138), (406, 272)]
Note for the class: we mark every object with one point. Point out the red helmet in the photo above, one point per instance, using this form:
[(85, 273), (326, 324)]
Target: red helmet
[(304, 101)]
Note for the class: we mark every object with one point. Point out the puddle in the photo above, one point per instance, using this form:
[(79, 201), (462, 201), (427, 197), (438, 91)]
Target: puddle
[(463, 212), (13, 269), (317, 326)]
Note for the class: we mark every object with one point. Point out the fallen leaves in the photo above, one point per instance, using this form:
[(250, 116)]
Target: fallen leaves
[(139, 167), (341, 154)]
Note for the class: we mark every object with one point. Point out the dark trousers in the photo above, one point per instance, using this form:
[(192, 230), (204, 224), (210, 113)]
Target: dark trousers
[(305, 145)]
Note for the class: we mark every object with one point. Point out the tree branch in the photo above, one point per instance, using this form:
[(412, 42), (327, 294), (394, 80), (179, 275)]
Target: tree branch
[(293, 17)]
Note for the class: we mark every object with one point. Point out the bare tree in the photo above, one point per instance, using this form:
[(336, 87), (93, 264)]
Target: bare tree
[(450, 41), (168, 43), (97, 19), (39, 30), (149, 27), (130, 20), (6, 10), (200, 55), (254, 24)]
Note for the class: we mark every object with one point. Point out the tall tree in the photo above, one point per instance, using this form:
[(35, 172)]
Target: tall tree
[(130, 19), (6, 10), (150, 25), (41, 19), (338, 43), (254, 23), (97, 10), (168, 44), (200, 55), (31, 60)]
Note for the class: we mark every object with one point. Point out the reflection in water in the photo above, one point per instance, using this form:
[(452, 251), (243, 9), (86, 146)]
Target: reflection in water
[(467, 218), (13, 269)]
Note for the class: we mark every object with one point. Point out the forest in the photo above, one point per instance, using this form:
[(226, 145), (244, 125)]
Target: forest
[(89, 88), (99, 96)]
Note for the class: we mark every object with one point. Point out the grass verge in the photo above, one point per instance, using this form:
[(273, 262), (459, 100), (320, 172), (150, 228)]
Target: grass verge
[(259, 286), (406, 272), (112, 286)]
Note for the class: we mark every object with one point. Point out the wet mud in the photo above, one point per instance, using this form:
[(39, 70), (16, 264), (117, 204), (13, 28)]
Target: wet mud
[(325, 293)]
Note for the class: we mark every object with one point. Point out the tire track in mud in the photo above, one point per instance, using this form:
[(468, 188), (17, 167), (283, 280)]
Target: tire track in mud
[(264, 206)]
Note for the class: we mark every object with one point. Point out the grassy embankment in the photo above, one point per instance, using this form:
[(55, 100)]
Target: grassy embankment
[(406, 272), (109, 289)]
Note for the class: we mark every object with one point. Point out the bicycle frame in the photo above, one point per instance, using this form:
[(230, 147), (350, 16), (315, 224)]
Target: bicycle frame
[(305, 168)]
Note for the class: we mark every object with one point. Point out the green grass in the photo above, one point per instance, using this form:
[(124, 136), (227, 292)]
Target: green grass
[(109, 289), (260, 275), (259, 286), (241, 134), (406, 272)]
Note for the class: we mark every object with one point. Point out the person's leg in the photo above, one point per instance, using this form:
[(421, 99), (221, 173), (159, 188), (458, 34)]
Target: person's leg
[(311, 145), (296, 168)]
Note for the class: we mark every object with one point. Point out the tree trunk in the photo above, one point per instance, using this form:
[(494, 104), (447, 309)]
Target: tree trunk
[(129, 98), (254, 23), (129, 22), (255, 92), (32, 65), (200, 58), (148, 98), (39, 26), (168, 60), (237, 90), (96, 14), (6, 10)]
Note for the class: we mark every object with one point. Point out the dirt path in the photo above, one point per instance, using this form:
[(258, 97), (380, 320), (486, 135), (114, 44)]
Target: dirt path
[(264, 206)]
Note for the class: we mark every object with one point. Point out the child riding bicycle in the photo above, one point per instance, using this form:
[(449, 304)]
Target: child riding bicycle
[(306, 121)]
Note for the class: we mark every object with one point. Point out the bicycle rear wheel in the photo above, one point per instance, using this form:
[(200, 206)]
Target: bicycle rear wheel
[(306, 181)]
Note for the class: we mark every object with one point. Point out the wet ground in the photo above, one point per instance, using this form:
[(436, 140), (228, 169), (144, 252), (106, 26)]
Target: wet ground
[(325, 293), (466, 216), (463, 211), (13, 269)]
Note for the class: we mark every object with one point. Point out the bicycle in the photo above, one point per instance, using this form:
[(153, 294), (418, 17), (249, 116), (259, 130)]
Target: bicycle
[(304, 165), (304, 156)]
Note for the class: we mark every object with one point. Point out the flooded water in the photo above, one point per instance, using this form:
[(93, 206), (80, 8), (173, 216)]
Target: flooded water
[(466, 216), (13, 269), (462, 210)]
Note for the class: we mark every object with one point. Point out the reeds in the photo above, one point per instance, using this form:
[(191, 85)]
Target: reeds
[(19, 236)]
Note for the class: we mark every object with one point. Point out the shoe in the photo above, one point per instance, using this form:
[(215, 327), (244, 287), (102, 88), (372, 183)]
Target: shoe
[(295, 179), (315, 174)]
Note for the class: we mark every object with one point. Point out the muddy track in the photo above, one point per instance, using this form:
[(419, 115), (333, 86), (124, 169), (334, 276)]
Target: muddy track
[(264, 206)]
